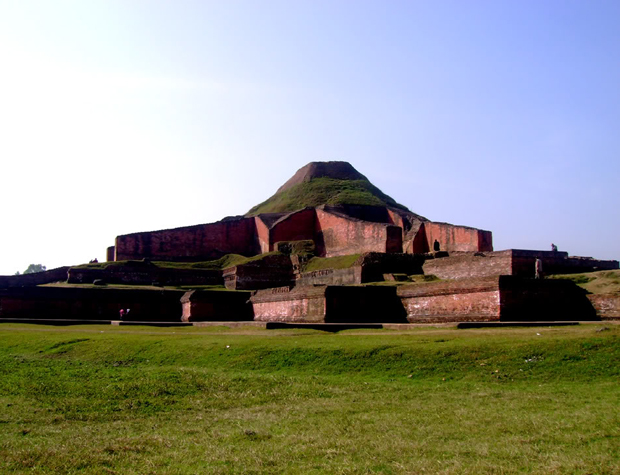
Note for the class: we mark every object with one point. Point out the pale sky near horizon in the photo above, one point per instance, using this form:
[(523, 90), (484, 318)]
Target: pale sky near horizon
[(126, 116)]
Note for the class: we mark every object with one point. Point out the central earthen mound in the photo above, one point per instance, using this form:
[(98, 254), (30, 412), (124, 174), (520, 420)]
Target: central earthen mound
[(334, 170), (325, 183)]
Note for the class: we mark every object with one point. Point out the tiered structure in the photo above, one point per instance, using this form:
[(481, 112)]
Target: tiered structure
[(303, 256), (329, 203)]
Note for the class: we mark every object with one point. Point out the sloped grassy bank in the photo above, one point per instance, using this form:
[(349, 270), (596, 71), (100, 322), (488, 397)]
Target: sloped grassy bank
[(188, 400)]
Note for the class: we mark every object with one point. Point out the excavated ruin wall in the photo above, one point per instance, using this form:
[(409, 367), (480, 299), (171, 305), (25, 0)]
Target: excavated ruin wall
[(214, 305), (37, 278), (192, 243), (607, 306), (457, 301), (517, 262), (470, 265), (350, 276), (271, 271), (145, 275), (297, 226), (525, 299), (457, 238), (339, 236), (90, 304), (302, 305), (262, 234)]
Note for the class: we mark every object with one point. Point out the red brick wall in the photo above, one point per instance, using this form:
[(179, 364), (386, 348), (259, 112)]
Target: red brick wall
[(607, 306), (295, 227), (457, 238), (470, 265), (300, 305), (205, 241), (339, 236), (460, 301), (262, 232)]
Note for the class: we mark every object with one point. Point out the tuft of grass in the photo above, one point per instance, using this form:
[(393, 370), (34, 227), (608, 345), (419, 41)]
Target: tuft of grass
[(321, 191), (338, 262), (600, 282)]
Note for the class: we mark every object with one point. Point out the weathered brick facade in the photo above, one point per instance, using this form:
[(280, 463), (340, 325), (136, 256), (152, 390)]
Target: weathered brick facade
[(335, 233), (498, 298), (517, 262)]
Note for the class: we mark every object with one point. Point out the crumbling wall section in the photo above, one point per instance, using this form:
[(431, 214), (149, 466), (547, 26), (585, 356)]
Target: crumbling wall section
[(302, 304), (457, 238), (90, 303), (455, 301), (470, 265), (350, 276), (144, 274), (525, 299), (270, 271), (37, 278), (607, 306), (191, 243), (214, 305), (339, 235), (298, 226)]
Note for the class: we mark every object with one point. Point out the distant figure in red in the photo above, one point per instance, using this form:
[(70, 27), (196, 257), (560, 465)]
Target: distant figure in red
[(121, 313)]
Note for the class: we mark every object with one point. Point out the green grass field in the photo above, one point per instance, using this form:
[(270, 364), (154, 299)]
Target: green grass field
[(138, 400)]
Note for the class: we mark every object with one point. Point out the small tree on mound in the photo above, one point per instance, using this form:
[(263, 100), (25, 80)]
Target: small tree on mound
[(32, 268)]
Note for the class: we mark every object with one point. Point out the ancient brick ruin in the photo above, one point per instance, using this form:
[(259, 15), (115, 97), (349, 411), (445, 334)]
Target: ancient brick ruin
[(286, 251), (333, 229)]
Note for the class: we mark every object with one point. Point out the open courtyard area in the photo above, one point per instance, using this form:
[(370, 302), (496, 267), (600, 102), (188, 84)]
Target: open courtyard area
[(96, 399)]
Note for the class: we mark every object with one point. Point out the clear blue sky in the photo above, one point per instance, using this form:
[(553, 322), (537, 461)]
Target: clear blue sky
[(125, 116)]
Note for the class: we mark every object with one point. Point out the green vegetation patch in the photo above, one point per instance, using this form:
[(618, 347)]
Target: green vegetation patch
[(325, 191), (229, 260), (338, 262), (600, 282), (135, 400)]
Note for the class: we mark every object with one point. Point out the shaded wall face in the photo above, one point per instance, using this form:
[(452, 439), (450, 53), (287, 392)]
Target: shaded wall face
[(337, 236), (457, 238), (543, 300), (208, 241), (297, 227), (90, 304)]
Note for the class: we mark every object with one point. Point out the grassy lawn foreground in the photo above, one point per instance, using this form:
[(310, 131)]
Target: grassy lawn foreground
[(102, 399)]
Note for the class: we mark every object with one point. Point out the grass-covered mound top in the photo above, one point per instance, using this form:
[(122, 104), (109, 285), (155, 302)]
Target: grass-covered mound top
[(325, 191), (601, 282)]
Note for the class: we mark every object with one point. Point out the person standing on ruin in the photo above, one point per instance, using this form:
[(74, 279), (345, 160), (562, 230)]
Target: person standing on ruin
[(538, 269), (554, 248)]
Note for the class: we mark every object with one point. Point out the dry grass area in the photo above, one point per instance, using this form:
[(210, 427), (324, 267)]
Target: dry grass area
[(601, 282), (103, 399)]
